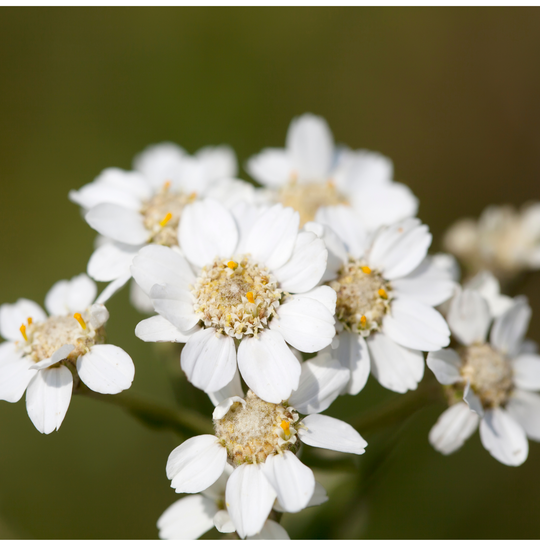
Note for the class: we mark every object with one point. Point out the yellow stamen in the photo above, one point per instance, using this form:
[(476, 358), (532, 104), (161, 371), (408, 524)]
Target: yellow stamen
[(366, 269), (383, 294), (285, 427), (23, 332), (232, 265), (363, 320), (165, 220), (80, 320), (167, 185), (29, 321), (192, 196), (250, 298)]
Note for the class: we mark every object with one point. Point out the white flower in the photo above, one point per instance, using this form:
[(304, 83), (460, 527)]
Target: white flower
[(253, 284), (41, 352), (311, 173), (192, 516), (386, 289), (260, 440), (134, 208), (503, 240), (495, 379)]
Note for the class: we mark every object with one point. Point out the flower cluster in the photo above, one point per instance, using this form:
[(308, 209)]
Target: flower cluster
[(283, 297)]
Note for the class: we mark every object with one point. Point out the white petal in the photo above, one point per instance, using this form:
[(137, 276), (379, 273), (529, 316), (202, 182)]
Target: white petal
[(472, 400), (111, 260), (15, 372), (527, 372), (106, 369), (119, 223), (187, 518), (161, 265), (249, 498), (321, 381), (383, 204), (223, 522), (400, 248), (59, 354), (293, 482), (324, 294), (216, 491), (223, 408), (196, 464), (112, 288), (311, 146), (231, 191), (353, 354), (47, 398), (272, 167), (453, 428), (98, 315), (319, 497), (66, 297), (487, 285), (416, 326), (304, 323), (469, 317), (337, 252), (429, 283), (268, 366), (175, 304), (245, 215), (306, 266), (207, 230), (271, 531), (509, 328), (524, 408), (272, 237), (139, 299), (503, 437), (219, 161), (209, 360), (445, 364), (158, 328), (346, 224), (397, 368), (160, 163), (330, 433), (12, 316), (234, 388)]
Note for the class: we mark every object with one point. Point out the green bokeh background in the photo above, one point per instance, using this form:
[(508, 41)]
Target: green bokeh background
[(451, 95)]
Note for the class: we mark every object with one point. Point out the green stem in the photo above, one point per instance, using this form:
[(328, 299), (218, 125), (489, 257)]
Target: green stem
[(183, 421), (398, 408)]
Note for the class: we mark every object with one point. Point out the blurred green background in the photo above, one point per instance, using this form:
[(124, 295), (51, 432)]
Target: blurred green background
[(451, 95)]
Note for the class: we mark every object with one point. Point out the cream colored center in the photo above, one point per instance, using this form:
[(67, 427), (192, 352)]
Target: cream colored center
[(156, 215), (44, 338), (252, 433), (490, 374), (238, 297), (306, 199), (363, 297)]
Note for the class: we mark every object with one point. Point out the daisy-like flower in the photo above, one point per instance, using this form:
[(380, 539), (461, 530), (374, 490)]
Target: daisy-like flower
[(311, 172), (41, 354), (260, 440), (503, 240), (491, 383), (386, 288), (192, 516), (131, 209), (251, 283)]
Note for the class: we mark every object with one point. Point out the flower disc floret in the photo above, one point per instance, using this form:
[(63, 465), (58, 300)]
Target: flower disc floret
[(362, 297), (253, 431), (237, 297), (42, 339), (489, 373)]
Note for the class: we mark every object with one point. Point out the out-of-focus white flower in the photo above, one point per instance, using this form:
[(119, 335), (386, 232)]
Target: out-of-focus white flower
[(311, 172), (192, 516), (386, 288), (134, 208), (260, 440), (503, 240), (41, 352), (252, 280), (491, 383)]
